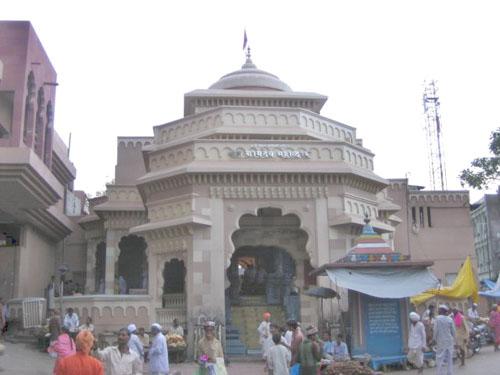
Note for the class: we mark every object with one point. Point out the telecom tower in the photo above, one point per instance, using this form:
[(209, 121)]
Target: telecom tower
[(434, 134)]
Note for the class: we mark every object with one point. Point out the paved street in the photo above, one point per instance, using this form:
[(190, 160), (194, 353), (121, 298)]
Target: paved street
[(21, 360)]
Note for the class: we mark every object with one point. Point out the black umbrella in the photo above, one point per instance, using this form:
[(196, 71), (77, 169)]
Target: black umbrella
[(321, 292)]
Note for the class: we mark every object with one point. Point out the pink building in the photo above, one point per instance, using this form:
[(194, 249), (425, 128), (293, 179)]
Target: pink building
[(435, 225), (36, 175)]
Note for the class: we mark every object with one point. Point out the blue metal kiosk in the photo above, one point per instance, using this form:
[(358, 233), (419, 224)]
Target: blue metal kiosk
[(380, 282)]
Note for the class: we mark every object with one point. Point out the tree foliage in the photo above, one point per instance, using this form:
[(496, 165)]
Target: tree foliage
[(486, 170)]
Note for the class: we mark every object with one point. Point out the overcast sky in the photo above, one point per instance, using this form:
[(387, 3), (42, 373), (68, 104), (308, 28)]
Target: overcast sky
[(123, 67)]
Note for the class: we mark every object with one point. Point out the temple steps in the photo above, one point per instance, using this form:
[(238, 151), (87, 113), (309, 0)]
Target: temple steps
[(246, 319)]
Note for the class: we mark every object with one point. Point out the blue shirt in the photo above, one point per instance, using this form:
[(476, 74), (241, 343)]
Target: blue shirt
[(158, 355), (135, 344), (328, 347), (340, 351)]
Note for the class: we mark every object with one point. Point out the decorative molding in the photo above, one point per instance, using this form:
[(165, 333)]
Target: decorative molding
[(176, 239), (439, 197), (123, 219), (122, 193), (231, 117), (268, 192), (171, 210), (135, 141), (261, 179)]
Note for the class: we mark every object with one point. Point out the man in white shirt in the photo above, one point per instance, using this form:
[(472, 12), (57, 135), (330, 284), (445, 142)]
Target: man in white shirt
[(269, 343), (120, 360), (278, 357), (444, 336), (134, 342), (177, 328), (71, 322), (416, 342), (264, 330), (472, 313)]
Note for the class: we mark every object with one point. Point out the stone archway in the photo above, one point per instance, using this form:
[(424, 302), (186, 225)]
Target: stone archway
[(132, 264), (266, 271)]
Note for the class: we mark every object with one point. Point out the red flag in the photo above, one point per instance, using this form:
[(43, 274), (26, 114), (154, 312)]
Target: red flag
[(245, 39)]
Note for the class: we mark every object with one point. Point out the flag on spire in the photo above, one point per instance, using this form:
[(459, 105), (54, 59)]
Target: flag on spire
[(245, 39)]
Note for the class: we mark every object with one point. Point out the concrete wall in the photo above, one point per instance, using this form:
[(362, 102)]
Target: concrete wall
[(493, 210), (447, 241), (36, 263), (130, 162), (7, 271)]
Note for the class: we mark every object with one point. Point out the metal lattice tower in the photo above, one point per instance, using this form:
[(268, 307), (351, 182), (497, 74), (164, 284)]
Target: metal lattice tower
[(434, 134)]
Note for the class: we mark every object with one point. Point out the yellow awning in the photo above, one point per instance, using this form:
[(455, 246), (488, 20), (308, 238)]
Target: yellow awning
[(464, 286)]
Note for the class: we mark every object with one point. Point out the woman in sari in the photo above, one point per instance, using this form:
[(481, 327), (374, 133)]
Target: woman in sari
[(495, 325), (63, 347)]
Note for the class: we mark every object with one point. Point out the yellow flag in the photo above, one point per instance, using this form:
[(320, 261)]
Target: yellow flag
[(464, 286)]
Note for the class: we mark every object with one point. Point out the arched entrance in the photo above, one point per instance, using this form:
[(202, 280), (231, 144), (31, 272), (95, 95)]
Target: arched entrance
[(132, 265), (265, 273), (174, 274)]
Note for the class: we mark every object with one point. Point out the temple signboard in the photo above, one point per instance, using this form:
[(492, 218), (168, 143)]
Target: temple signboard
[(267, 152)]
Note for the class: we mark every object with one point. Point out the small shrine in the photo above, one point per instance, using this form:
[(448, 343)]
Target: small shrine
[(379, 283)]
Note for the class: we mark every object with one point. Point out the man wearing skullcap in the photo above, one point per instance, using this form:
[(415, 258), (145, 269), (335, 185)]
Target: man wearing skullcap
[(158, 353), (81, 363), (134, 342), (416, 342), (444, 336), (264, 330)]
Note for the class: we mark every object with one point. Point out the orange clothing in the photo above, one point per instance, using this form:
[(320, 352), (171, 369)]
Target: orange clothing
[(79, 364)]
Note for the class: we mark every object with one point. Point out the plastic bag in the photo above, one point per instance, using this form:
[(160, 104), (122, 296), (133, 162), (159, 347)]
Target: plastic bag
[(220, 367), (295, 369)]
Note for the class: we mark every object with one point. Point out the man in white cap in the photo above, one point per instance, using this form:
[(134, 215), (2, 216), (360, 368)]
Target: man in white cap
[(134, 343), (444, 336), (158, 353), (416, 342), (472, 313)]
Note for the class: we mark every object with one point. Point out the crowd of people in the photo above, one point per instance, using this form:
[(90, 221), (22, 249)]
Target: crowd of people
[(75, 349), (292, 351), (447, 332)]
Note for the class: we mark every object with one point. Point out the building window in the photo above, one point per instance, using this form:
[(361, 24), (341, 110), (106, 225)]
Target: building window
[(429, 221), (414, 215), (421, 216)]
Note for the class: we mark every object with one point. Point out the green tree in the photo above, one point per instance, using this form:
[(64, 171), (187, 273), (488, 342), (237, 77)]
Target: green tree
[(484, 171)]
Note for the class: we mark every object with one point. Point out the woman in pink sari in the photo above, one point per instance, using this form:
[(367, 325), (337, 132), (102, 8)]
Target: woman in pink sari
[(495, 325), (63, 346)]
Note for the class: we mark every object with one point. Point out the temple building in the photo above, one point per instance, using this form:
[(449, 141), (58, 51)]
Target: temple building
[(223, 213)]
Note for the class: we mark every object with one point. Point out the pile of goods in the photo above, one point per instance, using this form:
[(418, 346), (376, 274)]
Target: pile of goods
[(349, 368), (175, 341)]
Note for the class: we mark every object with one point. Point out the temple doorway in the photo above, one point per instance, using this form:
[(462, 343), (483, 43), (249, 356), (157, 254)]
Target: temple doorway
[(265, 274), (132, 266), (174, 275)]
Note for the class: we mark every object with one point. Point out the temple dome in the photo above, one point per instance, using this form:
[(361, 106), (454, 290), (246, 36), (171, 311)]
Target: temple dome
[(250, 78)]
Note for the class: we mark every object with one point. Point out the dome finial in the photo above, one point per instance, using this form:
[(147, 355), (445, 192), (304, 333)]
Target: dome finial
[(249, 63)]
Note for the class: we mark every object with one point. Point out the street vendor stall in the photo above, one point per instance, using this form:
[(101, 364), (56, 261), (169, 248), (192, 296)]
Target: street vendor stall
[(380, 282), (176, 348)]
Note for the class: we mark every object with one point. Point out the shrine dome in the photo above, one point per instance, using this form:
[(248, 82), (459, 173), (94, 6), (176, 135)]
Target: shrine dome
[(250, 78)]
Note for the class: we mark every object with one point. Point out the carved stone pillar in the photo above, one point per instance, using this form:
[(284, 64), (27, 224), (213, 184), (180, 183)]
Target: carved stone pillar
[(91, 266), (113, 237)]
